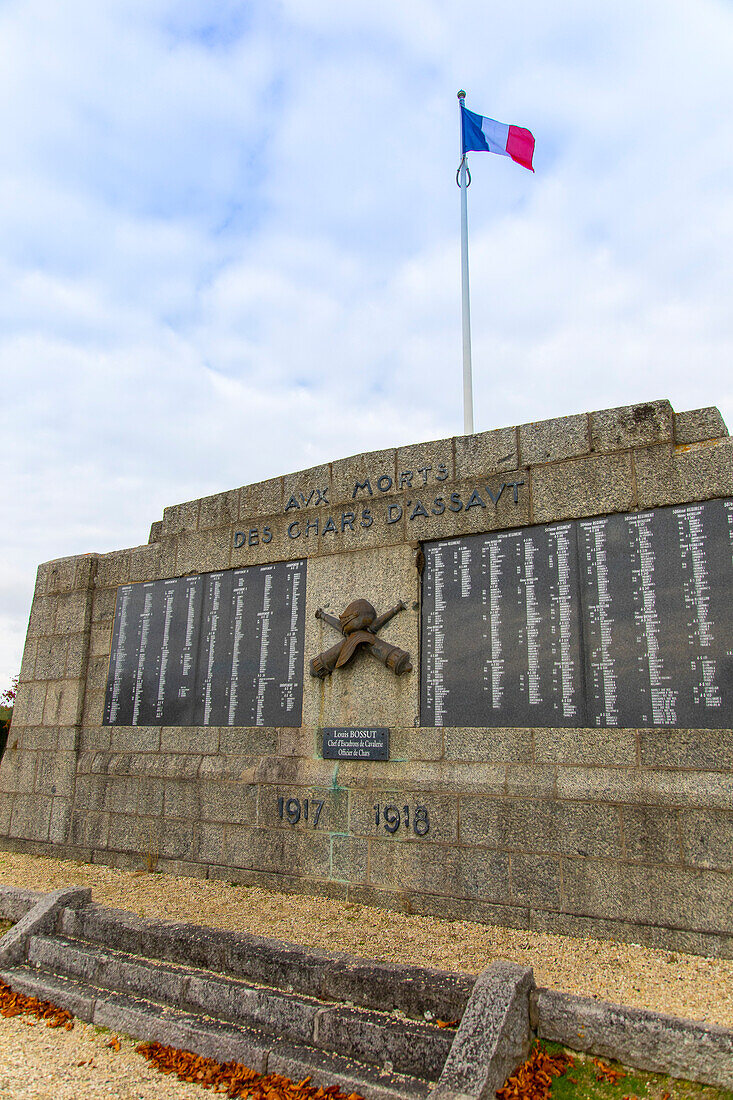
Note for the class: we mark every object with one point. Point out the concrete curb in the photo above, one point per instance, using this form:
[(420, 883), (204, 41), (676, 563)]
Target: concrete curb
[(499, 1015), (636, 1037), (41, 917), (493, 1037), (15, 901)]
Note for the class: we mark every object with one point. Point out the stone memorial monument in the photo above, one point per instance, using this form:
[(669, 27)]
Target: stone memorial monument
[(487, 678)]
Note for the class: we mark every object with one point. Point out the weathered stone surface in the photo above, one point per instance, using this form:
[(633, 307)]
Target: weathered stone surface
[(697, 425), (28, 662), (496, 502), (493, 1037), (41, 918), (203, 551), (637, 1037), (651, 836), (512, 746), (265, 498), (303, 485), (672, 897), (552, 440), (707, 838), (702, 750), (561, 828), (203, 739), (415, 743), (180, 517), (63, 703), (144, 563), (582, 487), (51, 657), (664, 476), (113, 569), (590, 747), (655, 786), (632, 426), (220, 510), (486, 453)]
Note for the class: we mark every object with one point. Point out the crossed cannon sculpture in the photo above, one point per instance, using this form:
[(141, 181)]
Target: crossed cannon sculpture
[(359, 625)]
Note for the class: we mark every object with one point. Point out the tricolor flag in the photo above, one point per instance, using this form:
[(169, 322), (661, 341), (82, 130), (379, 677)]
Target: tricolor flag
[(486, 135)]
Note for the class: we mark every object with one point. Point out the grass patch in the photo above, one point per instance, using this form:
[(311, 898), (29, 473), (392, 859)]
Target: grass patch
[(580, 1082)]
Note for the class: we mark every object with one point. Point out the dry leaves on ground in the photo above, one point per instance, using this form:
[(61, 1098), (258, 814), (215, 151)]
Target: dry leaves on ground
[(606, 1073), (533, 1079), (234, 1078), (17, 1004)]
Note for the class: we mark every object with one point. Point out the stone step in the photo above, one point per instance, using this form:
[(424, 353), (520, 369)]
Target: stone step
[(376, 1038), (149, 1020), (416, 992)]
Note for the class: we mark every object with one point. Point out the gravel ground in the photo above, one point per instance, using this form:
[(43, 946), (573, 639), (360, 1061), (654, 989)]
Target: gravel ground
[(683, 985), (42, 1063)]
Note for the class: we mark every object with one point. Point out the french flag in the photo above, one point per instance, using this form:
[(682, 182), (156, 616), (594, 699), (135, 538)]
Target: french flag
[(488, 136)]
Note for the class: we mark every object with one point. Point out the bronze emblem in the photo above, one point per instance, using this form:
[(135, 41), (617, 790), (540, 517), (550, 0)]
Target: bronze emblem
[(359, 625)]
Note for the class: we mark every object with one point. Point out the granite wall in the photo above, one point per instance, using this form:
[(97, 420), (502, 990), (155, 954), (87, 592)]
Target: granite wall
[(613, 832)]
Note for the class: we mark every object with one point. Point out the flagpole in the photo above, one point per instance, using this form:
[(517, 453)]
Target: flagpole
[(465, 298)]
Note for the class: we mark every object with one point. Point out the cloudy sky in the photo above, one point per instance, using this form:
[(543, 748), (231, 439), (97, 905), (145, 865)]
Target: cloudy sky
[(229, 239)]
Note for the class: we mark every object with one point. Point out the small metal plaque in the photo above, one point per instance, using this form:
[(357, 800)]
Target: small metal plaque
[(355, 743)]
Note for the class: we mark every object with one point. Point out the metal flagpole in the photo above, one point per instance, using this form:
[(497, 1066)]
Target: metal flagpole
[(465, 177)]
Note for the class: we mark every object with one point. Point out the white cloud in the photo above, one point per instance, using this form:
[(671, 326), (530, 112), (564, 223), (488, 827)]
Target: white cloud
[(230, 240)]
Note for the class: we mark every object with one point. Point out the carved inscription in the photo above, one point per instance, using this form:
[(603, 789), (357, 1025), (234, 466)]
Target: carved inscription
[(620, 620), (392, 818)]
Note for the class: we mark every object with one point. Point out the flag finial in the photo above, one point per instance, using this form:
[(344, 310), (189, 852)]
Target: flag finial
[(461, 94)]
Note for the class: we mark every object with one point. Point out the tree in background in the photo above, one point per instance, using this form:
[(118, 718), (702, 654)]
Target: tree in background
[(7, 699)]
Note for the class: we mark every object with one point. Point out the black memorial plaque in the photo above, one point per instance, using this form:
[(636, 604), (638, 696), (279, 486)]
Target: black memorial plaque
[(216, 649), (623, 620), (358, 743)]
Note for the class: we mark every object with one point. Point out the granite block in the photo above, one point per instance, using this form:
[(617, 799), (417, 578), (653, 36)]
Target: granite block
[(197, 739), (220, 510), (28, 662), (536, 880), (676, 897), (541, 826), (486, 453), (511, 746), (697, 425), (179, 518), (113, 569), (73, 612), (701, 750), (582, 487), (144, 563), (632, 426), (264, 498), (308, 487), (651, 834), (43, 615), (51, 657), (63, 703), (404, 816), (589, 747), (552, 440), (203, 551), (707, 839), (665, 476)]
